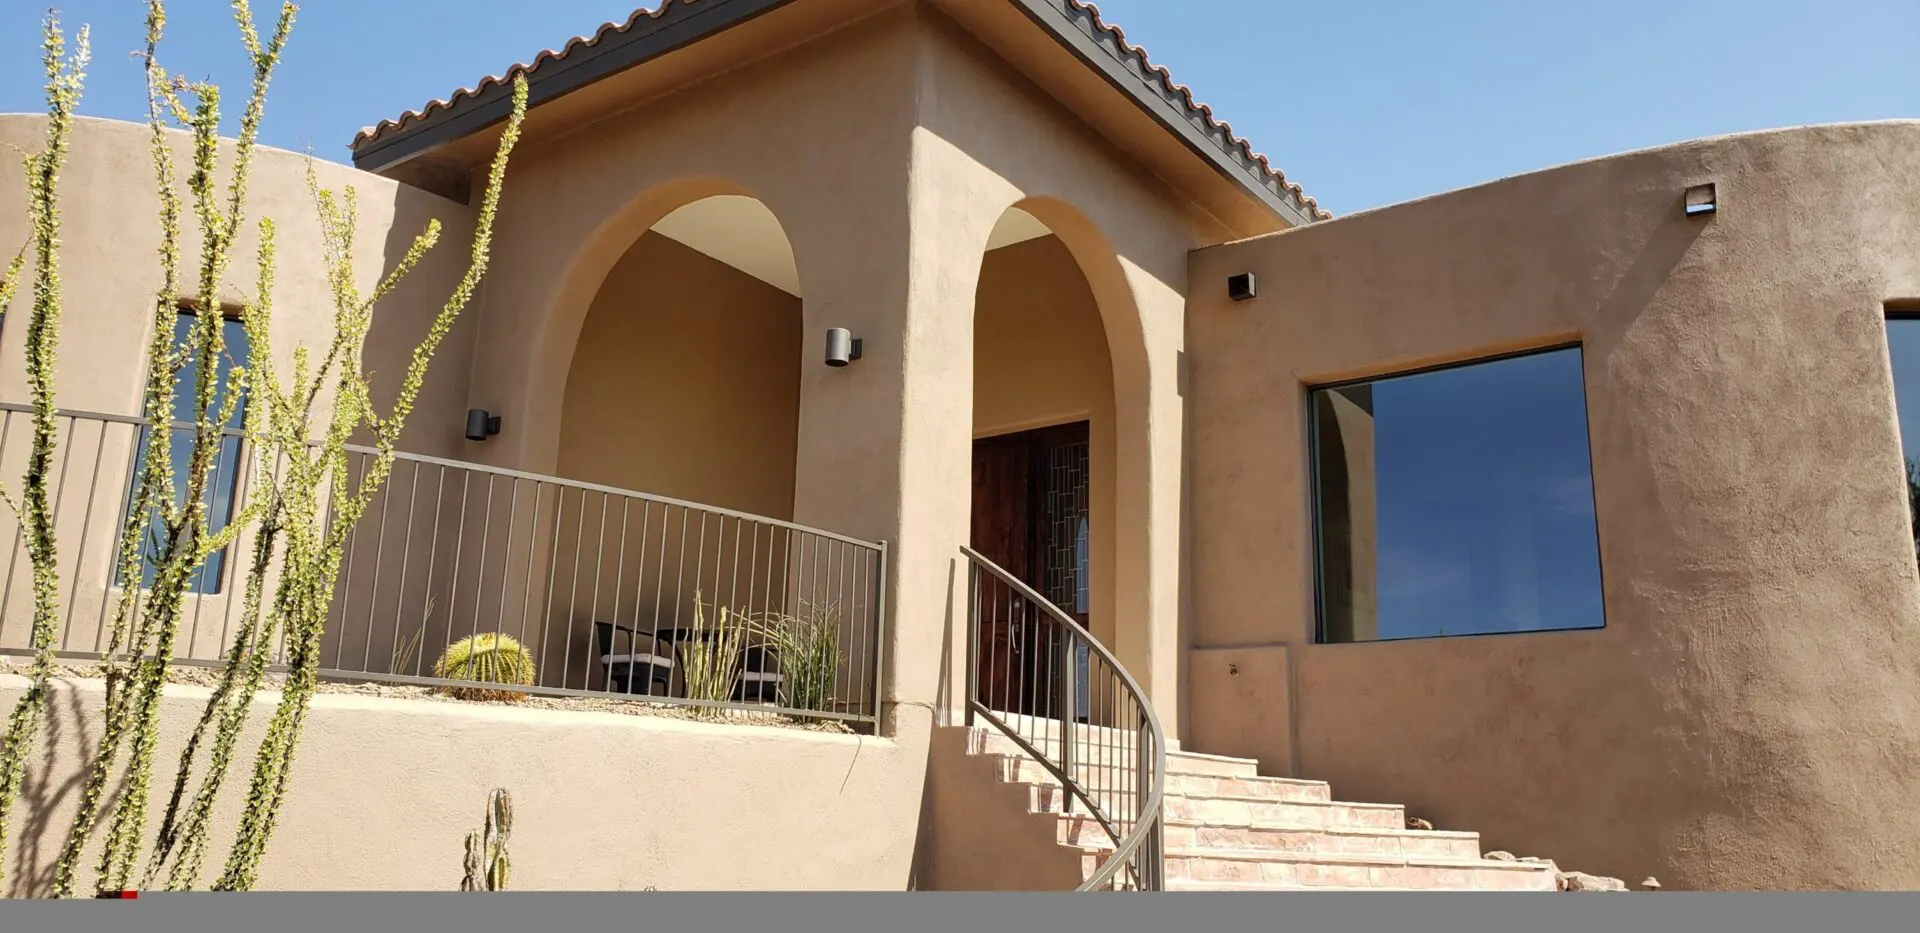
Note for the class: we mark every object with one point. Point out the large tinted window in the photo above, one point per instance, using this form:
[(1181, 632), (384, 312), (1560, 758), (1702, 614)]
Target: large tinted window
[(1903, 345), (223, 483), (1456, 501)]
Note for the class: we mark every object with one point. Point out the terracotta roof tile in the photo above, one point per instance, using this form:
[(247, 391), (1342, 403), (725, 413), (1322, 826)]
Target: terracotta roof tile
[(666, 7), (1147, 65), (573, 45)]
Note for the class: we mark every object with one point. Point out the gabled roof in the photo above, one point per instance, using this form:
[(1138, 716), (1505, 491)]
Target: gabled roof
[(648, 34)]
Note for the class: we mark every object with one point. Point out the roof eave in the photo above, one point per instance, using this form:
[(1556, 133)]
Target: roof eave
[(678, 26), (1074, 24), (1077, 27)]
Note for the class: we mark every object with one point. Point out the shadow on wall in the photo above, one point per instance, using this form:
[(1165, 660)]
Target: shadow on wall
[(402, 320), (50, 789)]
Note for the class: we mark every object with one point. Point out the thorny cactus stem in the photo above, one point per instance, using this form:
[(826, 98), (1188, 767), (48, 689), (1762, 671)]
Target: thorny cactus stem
[(487, 864), (65, 77), (156, 472), (246, 661), (314, 549), (182, 541)]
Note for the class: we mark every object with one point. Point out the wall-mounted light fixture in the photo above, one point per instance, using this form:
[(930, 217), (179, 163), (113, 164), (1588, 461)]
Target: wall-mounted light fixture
[(1241, 287), (481, 424), (1702, 200), (842, 347)]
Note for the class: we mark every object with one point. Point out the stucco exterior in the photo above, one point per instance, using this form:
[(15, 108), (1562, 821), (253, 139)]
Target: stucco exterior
[(110, 216), (388, 790), (1747, 718)]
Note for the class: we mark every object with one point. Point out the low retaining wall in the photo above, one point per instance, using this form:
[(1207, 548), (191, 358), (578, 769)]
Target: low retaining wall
[(385, 791)]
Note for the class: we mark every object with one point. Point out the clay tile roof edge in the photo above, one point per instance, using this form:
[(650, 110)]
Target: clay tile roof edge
[(1275, 180)]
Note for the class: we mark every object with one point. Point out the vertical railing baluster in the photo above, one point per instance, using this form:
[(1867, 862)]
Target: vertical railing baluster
[(573, 593), (480, 563), (526, 583), (553, 571), (86, 529), (1066, 716), (879, 661)]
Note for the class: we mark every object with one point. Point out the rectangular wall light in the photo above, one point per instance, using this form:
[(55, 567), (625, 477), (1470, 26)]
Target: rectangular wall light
[(1241, 287), (1702, 200)]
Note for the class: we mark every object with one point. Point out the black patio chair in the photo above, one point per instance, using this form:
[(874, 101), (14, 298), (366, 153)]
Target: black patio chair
[(635, 662), (760, 677)]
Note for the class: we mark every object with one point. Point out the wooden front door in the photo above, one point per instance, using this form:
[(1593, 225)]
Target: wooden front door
[(1030, 518)]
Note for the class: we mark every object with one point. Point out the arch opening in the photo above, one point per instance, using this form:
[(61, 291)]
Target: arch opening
[(685, 376), (1050, 402), (683, 382)]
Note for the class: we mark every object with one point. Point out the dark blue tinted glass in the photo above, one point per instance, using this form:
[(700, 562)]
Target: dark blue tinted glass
[(1457, 502), (225, 480), (1903, 345)]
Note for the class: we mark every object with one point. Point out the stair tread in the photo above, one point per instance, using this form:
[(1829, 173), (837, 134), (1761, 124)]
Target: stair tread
[(1348, 858), (1206, 756), (1251, 798), (1263, 887), (1176, 772), (1306, 828)]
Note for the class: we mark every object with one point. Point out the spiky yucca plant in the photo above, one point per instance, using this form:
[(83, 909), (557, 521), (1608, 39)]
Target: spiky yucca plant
[(808, 648), (488, 658), (710, 655)]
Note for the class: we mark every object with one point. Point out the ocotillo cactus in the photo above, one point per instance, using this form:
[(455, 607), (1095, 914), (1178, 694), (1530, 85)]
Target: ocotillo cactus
[(487, 859)]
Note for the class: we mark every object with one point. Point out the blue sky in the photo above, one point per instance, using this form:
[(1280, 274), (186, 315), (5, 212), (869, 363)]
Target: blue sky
[(1365, 102)]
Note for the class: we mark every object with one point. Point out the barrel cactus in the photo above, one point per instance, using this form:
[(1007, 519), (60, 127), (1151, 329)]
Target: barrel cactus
[(490, 658)]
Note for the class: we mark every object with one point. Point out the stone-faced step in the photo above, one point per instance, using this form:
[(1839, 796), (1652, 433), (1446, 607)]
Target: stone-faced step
[(1257, 887), (1270, 810), (1296, 869), (1086, 832), (985, 740), (1019, 769)]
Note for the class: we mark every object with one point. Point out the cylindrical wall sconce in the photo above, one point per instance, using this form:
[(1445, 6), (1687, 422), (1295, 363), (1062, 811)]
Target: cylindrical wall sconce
[(481, 424), (842, 347)]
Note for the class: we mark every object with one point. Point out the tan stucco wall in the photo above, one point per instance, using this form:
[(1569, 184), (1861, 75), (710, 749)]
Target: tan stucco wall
[(111, 271), (1749, 716), (985, 835), (888, 184), (686, 383), (987, 141), (888, 214), (384, 792)]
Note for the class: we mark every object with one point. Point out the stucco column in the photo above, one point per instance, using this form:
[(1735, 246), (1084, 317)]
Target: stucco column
[(1151, 413), (884, 443)]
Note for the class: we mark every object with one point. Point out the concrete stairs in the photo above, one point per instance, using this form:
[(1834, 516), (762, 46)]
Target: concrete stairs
[(1228, 828)]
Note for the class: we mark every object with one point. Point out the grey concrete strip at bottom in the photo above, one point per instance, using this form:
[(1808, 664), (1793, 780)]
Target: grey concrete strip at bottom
[(938, 912)]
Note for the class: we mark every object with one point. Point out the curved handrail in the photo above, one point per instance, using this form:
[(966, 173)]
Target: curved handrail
[(1143, 836)]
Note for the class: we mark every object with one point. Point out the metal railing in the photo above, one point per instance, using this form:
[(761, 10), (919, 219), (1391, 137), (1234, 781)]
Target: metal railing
[(1049, 686), (613, 593)]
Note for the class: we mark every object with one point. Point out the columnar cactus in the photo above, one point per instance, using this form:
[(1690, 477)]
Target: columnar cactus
[(487, 863)]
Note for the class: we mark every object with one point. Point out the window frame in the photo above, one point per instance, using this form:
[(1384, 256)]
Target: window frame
[(1901, 310), (1316, 531)]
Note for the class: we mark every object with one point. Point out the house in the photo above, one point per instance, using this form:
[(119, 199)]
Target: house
[(1564, 511)]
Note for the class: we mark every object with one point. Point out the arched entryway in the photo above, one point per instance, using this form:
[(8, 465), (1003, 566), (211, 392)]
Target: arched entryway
[(1047, 501), (678, 425), (685, 377)]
